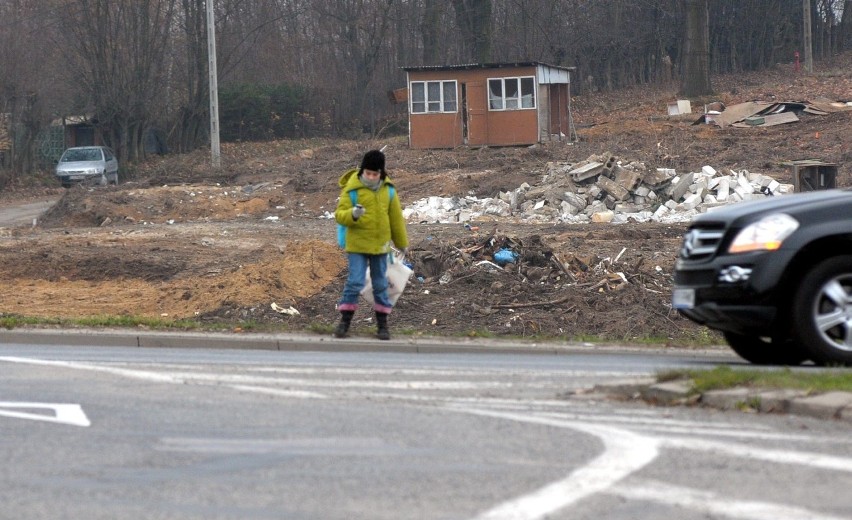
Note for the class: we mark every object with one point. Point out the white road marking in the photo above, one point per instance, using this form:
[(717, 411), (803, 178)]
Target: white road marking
[(435, 372), (134, 374), (816, 460), (71, 414), (188, 377), (624, 453), (298, 394), (712, 504)]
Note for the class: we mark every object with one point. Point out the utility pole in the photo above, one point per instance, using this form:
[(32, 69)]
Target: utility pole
[(808, 39), (214, 89)]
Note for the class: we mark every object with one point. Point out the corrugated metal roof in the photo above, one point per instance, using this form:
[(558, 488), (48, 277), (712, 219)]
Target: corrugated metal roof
[(470, 66)]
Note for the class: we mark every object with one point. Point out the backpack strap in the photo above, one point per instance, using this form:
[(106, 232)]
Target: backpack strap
[(341, 229)]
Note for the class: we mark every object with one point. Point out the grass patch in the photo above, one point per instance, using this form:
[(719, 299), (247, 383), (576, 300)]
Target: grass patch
[(783, 378), (131, 321), (13, 321)]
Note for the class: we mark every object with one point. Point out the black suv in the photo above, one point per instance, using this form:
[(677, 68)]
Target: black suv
[(774, 276)]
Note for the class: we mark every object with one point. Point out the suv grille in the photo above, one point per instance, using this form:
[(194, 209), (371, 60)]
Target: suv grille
[(699, 244)]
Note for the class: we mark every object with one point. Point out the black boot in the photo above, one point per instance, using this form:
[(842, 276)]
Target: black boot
[(382, 321), (342, 329)]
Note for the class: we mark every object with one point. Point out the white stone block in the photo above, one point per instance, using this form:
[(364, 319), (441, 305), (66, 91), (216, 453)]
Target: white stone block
[(568, 209), (709, 170), (723, 188), (773, 186), (691, 202), (603, 216)]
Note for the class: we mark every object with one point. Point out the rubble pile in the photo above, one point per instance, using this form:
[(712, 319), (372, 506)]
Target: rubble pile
[(529, 272), (604, 189)]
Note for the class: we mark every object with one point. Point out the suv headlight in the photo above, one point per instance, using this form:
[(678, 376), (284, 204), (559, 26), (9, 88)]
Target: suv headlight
[(766, 234)]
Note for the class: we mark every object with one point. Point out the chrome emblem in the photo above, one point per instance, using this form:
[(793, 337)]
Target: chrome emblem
[(690, 242)]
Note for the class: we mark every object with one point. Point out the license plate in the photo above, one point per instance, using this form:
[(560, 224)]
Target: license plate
[(683, 298), (76, 177)]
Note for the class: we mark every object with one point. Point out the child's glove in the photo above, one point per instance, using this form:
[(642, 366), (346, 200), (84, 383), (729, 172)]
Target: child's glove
[(357, 211)]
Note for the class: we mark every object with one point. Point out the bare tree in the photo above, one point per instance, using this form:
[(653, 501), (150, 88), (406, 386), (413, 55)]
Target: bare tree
[(696, 70), (143, 62), (473, 18), (120, 46), (846, 26), (190, 127), (430, 30), (28, 87)]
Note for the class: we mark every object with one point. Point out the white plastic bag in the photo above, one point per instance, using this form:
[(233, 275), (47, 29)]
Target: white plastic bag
[(398, 274)]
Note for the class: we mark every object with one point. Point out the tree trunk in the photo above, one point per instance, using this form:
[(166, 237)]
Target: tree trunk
[(696, 69), (474, 21), (430, 31)]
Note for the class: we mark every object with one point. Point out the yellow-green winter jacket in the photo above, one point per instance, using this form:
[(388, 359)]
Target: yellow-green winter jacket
[(381, 223)]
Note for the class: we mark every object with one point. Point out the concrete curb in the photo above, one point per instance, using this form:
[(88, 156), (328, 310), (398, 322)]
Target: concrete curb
[(290, 342), (828, 405)]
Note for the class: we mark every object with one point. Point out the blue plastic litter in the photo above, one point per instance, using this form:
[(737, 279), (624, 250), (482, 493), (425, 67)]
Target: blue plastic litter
[(505, 256)]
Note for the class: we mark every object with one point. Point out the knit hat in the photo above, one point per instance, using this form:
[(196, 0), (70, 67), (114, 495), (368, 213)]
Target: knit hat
[(374, 160)]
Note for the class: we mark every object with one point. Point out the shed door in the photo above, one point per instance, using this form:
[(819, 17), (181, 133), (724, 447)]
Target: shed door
[(476, 112)]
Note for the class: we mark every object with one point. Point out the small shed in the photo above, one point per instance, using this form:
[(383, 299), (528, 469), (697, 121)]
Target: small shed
[(80, 131), (490, 104)]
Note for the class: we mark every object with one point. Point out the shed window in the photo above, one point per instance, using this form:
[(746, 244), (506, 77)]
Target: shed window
[(433, 96), (511, 93)]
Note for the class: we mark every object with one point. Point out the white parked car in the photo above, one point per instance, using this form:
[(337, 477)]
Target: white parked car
[(92, 164)]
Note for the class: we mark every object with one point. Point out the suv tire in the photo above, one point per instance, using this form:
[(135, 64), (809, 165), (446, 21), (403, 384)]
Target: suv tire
[(822, 311), (765, 351)]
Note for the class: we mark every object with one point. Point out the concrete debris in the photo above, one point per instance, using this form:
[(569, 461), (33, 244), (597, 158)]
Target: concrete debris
[(605, 189)]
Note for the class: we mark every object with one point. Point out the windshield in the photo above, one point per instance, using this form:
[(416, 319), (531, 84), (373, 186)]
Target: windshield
[(81, 154)]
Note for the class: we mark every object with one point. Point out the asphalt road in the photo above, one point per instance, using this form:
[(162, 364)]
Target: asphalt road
[(172, 433)]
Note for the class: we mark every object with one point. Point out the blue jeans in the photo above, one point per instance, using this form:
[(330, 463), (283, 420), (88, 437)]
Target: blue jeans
[(356, 280)]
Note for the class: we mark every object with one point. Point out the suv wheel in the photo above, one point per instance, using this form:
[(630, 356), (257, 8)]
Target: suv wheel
[(823, 311), (765, 351)]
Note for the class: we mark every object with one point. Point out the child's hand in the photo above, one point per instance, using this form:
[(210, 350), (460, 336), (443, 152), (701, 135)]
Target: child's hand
[(357, 211)]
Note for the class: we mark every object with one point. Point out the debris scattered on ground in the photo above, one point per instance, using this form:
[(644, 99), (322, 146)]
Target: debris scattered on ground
[(763, 113), (603, 188)]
